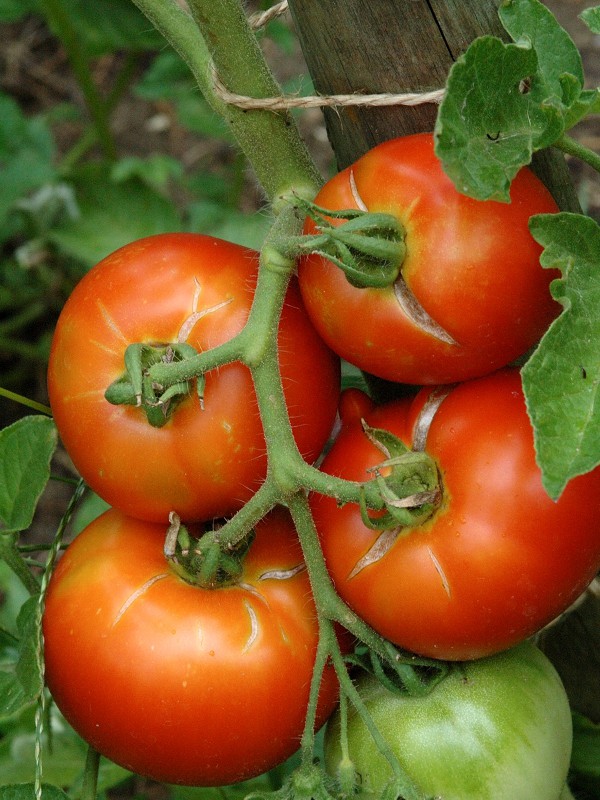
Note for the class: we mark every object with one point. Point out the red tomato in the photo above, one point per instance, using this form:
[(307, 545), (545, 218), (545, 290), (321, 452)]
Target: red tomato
[(178, 683), (471, 266), (496, 561), (202, 463)]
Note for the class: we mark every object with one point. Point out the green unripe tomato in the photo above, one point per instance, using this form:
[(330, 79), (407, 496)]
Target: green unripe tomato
[(493, 729)]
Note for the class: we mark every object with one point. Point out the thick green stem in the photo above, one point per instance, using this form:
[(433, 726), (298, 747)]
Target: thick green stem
[(177, 372), (405, 787), (325, 646), (234, 531), (327, 600), (270, 141), (59, 16), (573, 148)]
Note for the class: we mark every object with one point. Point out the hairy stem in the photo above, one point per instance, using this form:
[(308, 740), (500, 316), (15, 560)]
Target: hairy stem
[(347, 687), (573, 148), (327, 600), (218, 33)]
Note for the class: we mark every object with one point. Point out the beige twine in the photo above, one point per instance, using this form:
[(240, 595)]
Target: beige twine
[(287, 102)]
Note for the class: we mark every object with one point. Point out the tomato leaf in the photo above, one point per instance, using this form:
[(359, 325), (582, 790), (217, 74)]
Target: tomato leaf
[(591, 17), (505, 101), (561, 378), (487, 126), (557, 53), (28, 667), (26, 448)]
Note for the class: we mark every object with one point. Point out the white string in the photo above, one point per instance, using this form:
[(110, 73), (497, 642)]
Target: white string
[(287, 102)]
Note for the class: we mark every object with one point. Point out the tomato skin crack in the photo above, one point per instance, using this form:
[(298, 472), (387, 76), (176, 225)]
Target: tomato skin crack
[(417, 314), (383, 544)]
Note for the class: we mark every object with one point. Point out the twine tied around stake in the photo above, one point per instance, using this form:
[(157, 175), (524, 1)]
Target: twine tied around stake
[(288, 102)]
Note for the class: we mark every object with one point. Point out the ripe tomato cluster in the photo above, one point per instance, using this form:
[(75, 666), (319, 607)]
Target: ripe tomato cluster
[(497, 559), (126, 638), (218, 679)]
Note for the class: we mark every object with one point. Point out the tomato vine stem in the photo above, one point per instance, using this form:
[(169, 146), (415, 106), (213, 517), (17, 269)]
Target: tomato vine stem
[(222, 36), (573, 148)]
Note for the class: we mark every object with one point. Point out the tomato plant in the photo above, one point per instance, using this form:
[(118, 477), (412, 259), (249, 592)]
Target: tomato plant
[(480, 557), (497, 559), (205, 461), (471, 295), (173, 681), (495, 728)]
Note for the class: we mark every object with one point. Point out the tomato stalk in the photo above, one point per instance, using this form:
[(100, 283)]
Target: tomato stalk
[(572, 147), (203, 562), (402, 784), (330, 608), (218, 33), (288, 475), (331, 605)]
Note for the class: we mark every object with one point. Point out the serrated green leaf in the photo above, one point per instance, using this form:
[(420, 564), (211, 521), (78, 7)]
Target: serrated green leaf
[(112, 215), (26, 791), (561, 379), (587, 103), (26, 448), (591, 17), (556, 51), (489, 124)]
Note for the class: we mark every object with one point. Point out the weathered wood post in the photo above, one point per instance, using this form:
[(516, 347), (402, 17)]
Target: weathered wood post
[(381, 46)]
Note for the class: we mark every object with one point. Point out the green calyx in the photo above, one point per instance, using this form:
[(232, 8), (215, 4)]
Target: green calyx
[(135, 387), (408, 481), (368, 246), (203, 561)]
